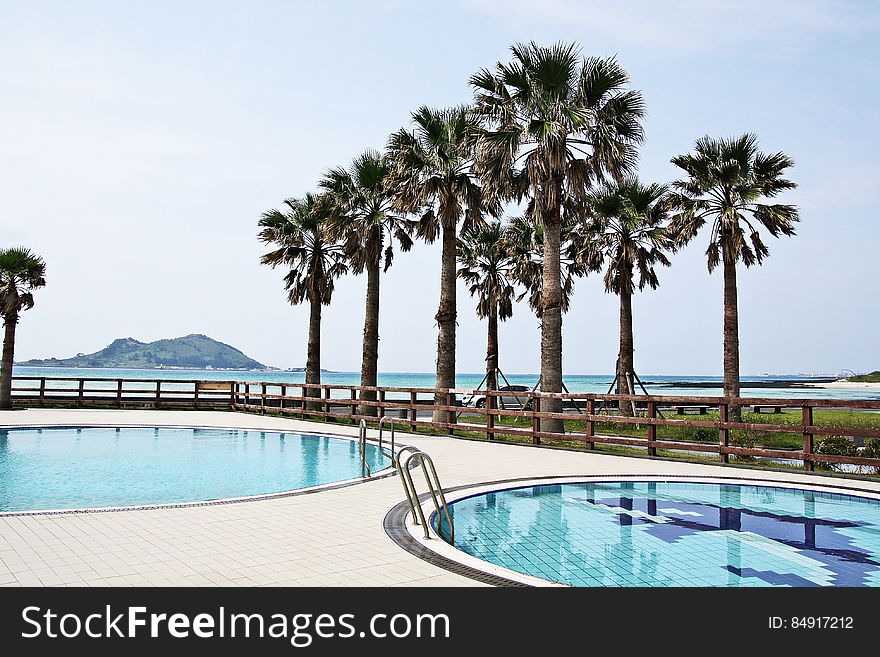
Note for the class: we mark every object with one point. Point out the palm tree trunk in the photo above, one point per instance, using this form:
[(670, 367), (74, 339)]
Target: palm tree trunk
[(313, 357), (370, 357), (625, 359), (492, 350), (731, 340), (551, 315), (10, 322), (446, 321)]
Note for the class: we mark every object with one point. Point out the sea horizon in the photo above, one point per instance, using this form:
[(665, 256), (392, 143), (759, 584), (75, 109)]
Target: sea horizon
[(655, 384)]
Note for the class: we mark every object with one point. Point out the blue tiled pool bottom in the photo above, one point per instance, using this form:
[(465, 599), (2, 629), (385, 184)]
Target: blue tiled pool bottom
[(674, 534), (65, 468)]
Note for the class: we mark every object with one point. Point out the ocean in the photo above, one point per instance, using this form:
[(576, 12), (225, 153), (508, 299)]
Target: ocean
[(590, 383)]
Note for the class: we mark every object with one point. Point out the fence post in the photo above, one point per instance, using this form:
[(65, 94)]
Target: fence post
[(326, 402), (536, 421), (723, 432), (158, 393), (413, 411), (281, 404), (380, 403), (490, 417), (80, 398), (352, 409), (263, 398), (195, 394), (247, 394), (809, 466), (652, 429), (42, 391), (450, 414), (591, 424), (119, 393)]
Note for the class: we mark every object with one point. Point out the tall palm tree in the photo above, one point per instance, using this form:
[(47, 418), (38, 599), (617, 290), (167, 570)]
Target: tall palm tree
[(21, 272), (566, 122), (433, 176), (362, 216), (628, 231), (315, 260), (487, 264), (727, 180)]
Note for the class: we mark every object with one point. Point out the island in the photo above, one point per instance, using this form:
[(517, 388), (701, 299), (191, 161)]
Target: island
[(195, 351)]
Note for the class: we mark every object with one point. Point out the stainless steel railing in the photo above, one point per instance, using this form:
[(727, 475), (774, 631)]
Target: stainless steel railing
[(418, 457), (362, 447), (382, 422)]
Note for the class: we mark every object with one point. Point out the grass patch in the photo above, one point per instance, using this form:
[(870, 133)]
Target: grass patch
[(842, 419)]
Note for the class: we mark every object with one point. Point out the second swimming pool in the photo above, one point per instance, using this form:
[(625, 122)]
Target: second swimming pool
[(647, 533)]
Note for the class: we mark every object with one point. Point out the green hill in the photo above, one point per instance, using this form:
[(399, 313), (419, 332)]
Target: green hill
[(191, 351), (873, 377)]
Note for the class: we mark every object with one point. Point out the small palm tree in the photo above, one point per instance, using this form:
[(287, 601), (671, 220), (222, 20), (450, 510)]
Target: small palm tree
[(362, 217), (559, 124), (628, 231), (433, 176), (727, 179), (21, 272), (315, 261), (525, 239), (486, 266)]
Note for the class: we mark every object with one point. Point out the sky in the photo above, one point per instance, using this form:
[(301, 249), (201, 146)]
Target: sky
[(140, 142)]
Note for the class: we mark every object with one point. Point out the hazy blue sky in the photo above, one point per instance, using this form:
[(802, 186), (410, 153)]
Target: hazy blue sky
[(139, 143)]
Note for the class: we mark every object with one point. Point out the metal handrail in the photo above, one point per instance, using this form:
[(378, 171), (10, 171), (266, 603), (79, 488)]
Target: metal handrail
[(411, 497), (362, 447), (381, 425), (434, 488)]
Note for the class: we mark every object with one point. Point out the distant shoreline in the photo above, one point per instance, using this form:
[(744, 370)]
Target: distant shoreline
[(298, 370), (775, 383)]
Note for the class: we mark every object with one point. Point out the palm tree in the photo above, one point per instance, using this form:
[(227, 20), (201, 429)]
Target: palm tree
[(21, 272), (433, 176), (486, 265), (315, 261), (525, 239), (566, 122), (726, 181), (362, 217), (628, 232)]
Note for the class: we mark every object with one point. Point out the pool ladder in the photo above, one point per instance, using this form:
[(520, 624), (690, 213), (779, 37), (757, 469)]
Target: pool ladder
[(415, 458), (418, 457), (362, 444)]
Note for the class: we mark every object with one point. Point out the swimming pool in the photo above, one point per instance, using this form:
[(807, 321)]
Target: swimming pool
[(73, 468), (647, 533)]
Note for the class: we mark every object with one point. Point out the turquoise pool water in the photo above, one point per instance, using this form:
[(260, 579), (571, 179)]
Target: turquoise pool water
[(674, 534), (65, 468)]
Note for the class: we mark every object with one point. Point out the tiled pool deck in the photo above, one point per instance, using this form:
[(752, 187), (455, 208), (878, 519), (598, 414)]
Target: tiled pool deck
[(330, 538)]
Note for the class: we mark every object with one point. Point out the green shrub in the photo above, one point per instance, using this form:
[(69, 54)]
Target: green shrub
[(746, 438), (872, 451), (837, 446)]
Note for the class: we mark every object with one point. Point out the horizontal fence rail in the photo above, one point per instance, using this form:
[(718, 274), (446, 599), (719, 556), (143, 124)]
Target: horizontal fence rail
[(414, 407)]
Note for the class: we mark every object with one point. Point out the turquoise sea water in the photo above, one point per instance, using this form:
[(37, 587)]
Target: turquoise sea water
[(65, 468), (592, 383), (674, 534)]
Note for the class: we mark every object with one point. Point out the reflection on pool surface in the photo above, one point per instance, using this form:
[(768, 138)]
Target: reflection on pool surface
[(674, 534), (65, 468)]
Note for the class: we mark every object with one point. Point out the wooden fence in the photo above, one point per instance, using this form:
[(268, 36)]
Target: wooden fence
[(414, 407)]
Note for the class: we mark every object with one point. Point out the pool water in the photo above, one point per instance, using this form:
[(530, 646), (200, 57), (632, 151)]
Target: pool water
[(65, 468), (674, 534)]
